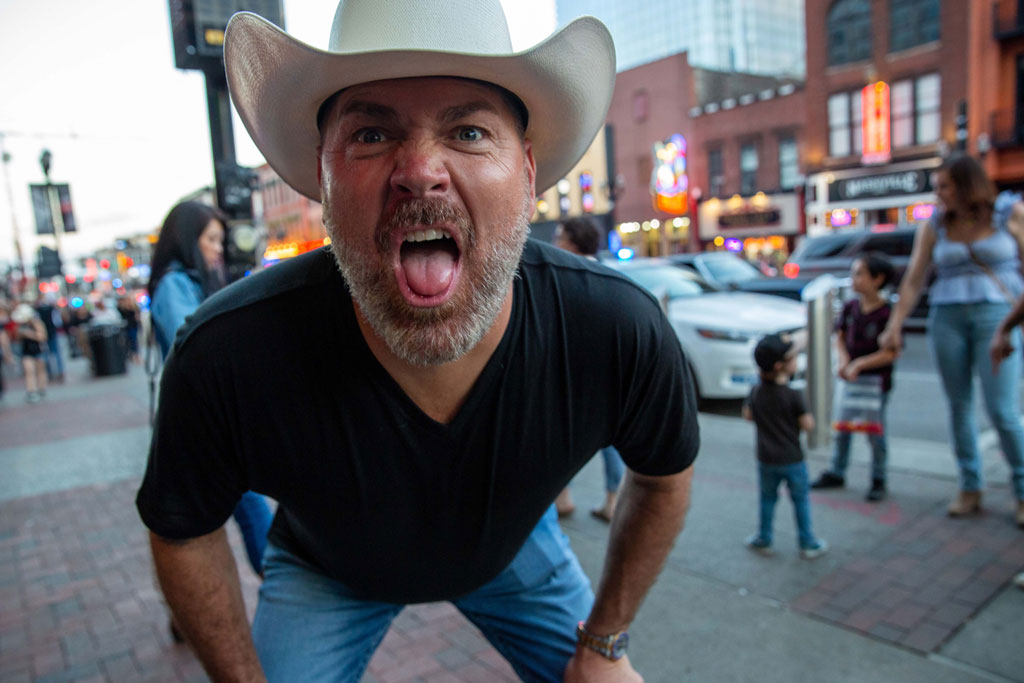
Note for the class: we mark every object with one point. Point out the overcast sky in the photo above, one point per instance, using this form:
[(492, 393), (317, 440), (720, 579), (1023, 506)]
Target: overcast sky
[(95, 83)]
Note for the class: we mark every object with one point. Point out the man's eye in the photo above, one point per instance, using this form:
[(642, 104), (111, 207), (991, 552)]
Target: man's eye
[(369, 136), (470, 134)]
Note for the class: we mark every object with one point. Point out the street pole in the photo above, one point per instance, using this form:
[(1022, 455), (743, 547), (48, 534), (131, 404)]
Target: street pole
[(6, 158), (818, 296)]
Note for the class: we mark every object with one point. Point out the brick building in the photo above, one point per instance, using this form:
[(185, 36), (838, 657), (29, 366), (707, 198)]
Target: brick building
[(742, 135), (886, 80)]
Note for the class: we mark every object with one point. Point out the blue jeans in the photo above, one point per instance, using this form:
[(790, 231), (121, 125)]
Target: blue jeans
[(254, 517), (879, 449), (54, 359), (959, 336), (614, 468), (797, 481), (309, 627)]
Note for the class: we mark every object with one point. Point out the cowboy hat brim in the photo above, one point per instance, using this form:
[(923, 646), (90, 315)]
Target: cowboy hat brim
[(279, 83)]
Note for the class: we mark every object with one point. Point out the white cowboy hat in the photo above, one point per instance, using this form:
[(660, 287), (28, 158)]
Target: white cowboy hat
[(278, 83)]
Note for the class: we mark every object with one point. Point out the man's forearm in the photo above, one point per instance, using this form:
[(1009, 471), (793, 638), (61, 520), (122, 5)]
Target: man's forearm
[(648, 517), (200, 581)]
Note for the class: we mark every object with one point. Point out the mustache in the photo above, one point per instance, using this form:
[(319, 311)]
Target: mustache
[(426, 212)]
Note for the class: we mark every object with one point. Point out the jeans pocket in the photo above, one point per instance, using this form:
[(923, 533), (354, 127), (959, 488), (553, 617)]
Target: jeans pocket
[(543, 552)]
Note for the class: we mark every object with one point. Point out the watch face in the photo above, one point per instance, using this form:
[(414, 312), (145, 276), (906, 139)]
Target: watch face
[(620, 645)]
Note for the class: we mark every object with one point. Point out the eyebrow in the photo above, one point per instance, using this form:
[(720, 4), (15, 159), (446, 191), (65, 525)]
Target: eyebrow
[(449, 115)]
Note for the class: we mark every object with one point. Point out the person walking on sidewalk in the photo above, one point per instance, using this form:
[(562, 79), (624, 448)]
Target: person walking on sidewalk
[(579, 236), (31, 334), (857, 328), (779, 412), (188, 266), (414, 396), (976, 250)]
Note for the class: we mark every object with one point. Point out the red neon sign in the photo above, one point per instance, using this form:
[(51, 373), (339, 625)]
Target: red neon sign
[(874, 103)]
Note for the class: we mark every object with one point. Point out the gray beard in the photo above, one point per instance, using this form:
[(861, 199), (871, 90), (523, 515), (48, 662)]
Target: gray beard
[(430, 336)]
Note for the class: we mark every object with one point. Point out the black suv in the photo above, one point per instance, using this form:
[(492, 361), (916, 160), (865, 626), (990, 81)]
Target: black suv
[(835, 252)]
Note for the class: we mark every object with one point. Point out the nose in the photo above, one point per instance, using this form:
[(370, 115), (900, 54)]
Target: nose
[(420, 169)]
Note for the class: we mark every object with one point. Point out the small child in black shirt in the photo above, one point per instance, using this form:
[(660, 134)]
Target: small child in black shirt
[(779, 413)]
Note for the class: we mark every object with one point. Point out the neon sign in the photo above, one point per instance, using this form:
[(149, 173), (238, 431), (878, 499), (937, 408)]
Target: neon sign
[(874, 104), (669, 182)]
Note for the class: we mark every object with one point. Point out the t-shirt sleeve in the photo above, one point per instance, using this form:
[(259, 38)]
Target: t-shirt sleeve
[(658, 431), (799, 403), (193, 478)]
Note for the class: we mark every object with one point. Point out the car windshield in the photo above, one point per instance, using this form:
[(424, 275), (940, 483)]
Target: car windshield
[(730, 269), (660, 280)]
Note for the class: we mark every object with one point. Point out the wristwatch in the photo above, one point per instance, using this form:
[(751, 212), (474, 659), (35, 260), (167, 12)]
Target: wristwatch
[(612, 647)]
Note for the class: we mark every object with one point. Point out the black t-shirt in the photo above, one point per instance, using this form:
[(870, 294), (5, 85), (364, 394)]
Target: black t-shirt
[(271, 387), (860, 331), (776, 410)]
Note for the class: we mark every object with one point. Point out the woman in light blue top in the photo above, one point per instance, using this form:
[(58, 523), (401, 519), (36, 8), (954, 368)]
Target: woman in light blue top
[(188, 266), (975, 245)]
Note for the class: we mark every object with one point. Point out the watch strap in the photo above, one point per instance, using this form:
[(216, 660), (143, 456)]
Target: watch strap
[(612, 646)]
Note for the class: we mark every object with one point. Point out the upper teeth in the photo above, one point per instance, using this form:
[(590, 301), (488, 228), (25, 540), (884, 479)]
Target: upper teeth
[(430, 234)]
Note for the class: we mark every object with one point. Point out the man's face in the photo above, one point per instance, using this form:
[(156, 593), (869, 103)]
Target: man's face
[(427, 189)]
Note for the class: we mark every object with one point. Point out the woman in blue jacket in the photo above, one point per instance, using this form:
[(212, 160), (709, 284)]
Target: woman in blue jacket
[(188, 266)]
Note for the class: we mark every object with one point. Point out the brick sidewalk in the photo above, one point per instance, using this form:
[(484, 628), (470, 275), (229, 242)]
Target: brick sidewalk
[(917, 588), (77, 603)]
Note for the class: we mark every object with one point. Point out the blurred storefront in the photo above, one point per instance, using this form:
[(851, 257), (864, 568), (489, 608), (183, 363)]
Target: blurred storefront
[(762, 228), (900, 195)]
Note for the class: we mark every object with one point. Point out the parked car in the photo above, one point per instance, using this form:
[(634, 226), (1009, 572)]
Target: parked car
[(717, 330), (726, 271), (835, 252)]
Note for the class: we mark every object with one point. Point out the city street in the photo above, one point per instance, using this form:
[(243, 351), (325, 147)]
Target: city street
[(906, 594)]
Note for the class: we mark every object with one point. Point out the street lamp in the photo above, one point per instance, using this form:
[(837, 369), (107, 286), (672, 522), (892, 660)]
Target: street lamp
[(44, 160)]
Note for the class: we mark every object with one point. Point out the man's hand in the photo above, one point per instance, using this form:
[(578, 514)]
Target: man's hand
[(587, 666)]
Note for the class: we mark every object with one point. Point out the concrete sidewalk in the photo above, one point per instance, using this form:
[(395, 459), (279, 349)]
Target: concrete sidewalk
[(905, 595)]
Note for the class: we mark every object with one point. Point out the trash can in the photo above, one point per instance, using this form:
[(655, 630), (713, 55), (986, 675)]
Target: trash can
[(107, 344)]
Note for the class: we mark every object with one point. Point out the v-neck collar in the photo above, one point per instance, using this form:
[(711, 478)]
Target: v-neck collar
[(483, 384)]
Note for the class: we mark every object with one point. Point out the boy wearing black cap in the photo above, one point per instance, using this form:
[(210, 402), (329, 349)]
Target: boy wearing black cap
[(779, 412)]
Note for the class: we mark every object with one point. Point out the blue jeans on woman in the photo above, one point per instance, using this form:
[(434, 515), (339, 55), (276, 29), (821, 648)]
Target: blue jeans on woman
[(879, 449), (309, 627), (798, 483), (960, 335)]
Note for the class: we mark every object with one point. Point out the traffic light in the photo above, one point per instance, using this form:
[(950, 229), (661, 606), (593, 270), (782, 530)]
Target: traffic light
[(235, 185), (48, 263)]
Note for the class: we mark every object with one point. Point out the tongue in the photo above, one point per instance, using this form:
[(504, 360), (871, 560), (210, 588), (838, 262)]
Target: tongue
[(428, 271)]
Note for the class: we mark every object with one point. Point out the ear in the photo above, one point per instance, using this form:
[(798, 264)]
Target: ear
[(531, 169)]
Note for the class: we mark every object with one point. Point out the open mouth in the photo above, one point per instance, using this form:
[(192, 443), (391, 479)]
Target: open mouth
[(429, 262)]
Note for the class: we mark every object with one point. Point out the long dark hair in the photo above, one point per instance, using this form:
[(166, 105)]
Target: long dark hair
[(974, 191), (179, 241)]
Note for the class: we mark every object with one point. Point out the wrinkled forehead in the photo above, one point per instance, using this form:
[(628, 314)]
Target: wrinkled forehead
[(510, 103)]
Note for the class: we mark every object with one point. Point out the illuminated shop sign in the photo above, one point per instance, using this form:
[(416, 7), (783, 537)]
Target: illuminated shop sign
[(750, 219), (874, 102), (587, 191), (884, 185), (669, 183)]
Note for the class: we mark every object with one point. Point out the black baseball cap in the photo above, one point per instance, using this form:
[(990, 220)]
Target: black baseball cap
[(772, 349)]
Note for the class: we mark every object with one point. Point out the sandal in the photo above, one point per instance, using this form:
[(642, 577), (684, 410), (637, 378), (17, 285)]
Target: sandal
[(600, 514)]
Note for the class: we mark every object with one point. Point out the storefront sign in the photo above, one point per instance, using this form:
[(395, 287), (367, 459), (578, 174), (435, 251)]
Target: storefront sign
[(669, 182), (883, 185), (874, 100), (749, 219)]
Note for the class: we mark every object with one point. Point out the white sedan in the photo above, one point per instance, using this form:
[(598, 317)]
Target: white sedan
[(717, 330)]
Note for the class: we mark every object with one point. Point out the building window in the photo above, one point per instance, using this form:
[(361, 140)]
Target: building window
[(916, 119), (839, 125), (789, 168), (748, 169), (912, 22), (844, 124), (716, 173), (849, 31)]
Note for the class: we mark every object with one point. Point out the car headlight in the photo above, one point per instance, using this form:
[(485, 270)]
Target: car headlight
[(726, 335)]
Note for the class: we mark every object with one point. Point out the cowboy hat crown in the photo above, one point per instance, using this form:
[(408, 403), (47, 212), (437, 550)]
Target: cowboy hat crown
[(278, 83)]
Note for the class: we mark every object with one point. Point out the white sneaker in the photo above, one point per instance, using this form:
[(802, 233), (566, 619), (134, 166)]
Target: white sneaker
[(1018, 581), (815, 551)]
